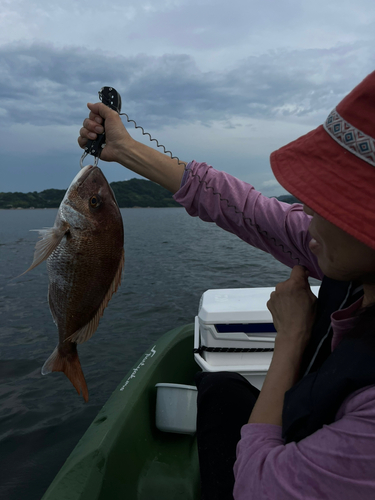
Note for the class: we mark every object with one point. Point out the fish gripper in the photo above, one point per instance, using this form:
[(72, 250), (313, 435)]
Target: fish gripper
[(111, 98)]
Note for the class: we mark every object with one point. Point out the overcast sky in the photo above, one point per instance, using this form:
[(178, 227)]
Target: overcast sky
[(215, 81)]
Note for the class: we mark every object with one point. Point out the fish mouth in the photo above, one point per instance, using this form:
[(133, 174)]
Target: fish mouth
[(82, 175), (90, 179), (85, 173)]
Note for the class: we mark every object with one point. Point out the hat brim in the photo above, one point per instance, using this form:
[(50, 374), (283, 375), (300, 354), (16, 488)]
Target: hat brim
[(330, 180)]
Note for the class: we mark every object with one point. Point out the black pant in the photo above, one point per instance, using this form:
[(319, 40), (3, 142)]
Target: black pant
[(225, 401)]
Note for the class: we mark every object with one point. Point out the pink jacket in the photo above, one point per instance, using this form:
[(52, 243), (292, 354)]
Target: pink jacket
[(338, 461)]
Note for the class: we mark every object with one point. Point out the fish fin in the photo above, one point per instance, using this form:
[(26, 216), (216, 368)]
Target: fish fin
[(86, 332), (71, 366), (50, 240)]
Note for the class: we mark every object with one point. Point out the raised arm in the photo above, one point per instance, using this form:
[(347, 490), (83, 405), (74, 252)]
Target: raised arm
[(234, 205), (214, 196), (122, 148)]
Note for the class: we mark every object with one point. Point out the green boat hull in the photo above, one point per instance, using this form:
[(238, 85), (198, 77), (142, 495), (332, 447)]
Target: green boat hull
[(123, 455)]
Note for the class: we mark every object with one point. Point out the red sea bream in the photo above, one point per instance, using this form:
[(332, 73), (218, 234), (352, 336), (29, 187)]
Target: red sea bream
[(85, 257)]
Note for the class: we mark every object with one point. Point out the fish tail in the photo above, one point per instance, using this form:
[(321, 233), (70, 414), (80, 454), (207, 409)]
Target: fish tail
[(68, 362)]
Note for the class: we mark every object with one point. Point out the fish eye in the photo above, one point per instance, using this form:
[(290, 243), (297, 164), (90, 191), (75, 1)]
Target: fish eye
[(94, 201)]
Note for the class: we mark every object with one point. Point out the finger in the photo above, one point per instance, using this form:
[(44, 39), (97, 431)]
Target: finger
[(89, 124), (86, 133), (92, 126), (299, 273), (101, 110), (95, 117), (269, 303), (278, 288), (84, 136), (82, 142)]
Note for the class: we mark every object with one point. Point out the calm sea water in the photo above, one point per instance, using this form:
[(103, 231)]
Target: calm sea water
[(170, 260)]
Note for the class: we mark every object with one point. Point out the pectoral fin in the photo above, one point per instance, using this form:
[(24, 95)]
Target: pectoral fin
[(50, 240)]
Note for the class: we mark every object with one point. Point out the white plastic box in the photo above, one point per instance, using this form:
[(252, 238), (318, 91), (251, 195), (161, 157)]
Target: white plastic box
[(236, 318)]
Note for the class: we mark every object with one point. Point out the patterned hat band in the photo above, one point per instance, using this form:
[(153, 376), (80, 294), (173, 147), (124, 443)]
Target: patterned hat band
[(350, 138)]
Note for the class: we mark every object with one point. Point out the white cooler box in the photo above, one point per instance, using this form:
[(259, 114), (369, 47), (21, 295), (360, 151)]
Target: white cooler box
[(231, 320)]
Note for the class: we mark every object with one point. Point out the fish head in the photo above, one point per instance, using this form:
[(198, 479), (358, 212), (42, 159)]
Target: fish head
[(90, 202)]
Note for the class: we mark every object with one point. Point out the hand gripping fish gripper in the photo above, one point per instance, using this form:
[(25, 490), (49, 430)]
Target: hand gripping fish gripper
[(111, 98)]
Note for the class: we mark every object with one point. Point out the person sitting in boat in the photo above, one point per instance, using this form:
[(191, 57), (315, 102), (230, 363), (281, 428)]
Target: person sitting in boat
[(311, 431)]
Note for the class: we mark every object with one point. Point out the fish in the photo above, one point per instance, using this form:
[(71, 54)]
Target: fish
[(85, 258)]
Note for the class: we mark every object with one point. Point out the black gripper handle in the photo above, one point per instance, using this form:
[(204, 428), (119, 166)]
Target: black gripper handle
[(111, 98)]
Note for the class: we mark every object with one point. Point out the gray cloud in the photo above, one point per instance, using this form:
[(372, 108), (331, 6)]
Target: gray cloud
[(226, 81), (41, 84)]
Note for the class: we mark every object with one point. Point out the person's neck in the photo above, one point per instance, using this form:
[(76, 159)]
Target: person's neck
[(368, 295)]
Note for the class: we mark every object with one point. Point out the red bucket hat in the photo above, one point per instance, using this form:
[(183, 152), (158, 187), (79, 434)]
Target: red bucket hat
[(332, 168)]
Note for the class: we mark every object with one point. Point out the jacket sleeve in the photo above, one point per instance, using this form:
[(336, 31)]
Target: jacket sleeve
[(265, 223), (335, 462)]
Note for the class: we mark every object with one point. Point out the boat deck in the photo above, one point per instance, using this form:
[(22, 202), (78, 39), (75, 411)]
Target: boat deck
[(123, 455)]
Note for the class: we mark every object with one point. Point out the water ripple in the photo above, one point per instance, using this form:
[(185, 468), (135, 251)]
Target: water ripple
[(170, 260)]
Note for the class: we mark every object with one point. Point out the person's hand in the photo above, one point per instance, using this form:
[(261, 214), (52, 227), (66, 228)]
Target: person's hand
[(117, 137), (293, 307)]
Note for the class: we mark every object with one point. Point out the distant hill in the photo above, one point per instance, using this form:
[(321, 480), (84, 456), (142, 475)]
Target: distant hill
[(49, 198), (142, 193), (288, 198), (132, 193)]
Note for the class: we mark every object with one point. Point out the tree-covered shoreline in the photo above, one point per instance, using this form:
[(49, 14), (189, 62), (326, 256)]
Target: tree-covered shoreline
[(132, 193), (129, 194)]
